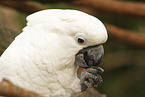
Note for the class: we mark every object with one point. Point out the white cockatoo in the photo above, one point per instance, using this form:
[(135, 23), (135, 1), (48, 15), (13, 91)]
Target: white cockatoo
[(42, 58)]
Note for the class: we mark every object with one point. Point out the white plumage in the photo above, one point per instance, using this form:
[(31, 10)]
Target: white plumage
[(41, 58)]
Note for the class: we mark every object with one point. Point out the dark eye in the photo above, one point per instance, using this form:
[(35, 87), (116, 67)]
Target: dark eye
[(80, 40)]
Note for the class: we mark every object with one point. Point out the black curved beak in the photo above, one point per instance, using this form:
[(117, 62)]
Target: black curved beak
[(90, 56)]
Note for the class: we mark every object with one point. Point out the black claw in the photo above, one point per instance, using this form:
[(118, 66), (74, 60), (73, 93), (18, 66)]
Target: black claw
[(89, 83), (99, 69), (83, 87)]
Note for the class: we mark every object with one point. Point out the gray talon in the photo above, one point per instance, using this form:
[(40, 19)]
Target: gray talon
[(99, 69), (91, 78)]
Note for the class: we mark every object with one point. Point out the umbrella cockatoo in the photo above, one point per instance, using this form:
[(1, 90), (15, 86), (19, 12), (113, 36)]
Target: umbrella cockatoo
[(45, 57)]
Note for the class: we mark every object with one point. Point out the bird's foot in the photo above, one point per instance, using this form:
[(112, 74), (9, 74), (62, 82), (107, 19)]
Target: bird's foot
[(91, 77)]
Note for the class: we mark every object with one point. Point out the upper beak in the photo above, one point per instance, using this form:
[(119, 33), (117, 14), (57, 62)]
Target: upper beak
[(90, 56)]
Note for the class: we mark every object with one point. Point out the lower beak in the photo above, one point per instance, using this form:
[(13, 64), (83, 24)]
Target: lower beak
[(90, 56)]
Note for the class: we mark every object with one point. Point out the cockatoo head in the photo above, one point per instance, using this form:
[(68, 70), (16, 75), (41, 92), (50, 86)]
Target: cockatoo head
[(68, 31)]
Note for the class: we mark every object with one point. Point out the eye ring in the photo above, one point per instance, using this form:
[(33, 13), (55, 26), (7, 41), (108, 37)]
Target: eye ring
[(80, 38)]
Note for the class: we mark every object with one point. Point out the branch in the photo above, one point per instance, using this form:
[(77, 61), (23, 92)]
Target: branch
[(91, 92), (6, 37), (11, 90), (53, 1), (115, 6), (24, 6), (126, 36), (46, 1)]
